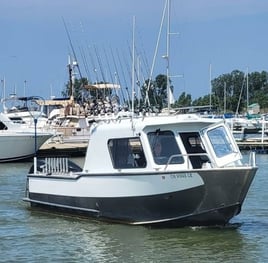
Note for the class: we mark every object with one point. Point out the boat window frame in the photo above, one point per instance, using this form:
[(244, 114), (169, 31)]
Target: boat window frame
[(170, 153), (195, 150), (229, 157), (220, 141), (125, 154)]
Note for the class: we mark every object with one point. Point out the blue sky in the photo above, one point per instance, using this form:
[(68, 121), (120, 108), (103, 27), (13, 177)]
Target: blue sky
[(34, 47)]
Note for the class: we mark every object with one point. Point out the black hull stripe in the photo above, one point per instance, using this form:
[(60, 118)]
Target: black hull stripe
[(18, 158), (180, 208), (199, 219)]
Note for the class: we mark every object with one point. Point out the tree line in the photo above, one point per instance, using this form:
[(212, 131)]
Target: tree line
[(233, 92), (230, 92)]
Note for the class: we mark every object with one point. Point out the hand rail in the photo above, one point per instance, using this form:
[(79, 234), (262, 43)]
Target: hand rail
[(187, 158)]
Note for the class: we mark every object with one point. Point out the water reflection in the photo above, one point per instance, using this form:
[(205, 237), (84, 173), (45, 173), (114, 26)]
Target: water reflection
[(78, 239)]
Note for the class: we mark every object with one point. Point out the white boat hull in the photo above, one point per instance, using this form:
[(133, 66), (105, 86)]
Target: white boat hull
[(20, 146), (174, 199)]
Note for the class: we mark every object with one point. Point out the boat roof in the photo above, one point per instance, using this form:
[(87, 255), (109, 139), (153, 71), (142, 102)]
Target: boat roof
[(132, 125)]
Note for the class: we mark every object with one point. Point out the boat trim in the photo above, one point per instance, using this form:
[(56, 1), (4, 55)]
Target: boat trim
[(181, 217), (26, 199), (76, 176)]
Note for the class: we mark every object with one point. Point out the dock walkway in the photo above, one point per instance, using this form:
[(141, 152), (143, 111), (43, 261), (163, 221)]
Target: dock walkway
[(63, 149)]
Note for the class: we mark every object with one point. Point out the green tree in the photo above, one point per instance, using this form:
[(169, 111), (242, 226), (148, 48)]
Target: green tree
[(237, 89), (230, 92), (79, 92), (157, 91), (184, 100), (258, 88)]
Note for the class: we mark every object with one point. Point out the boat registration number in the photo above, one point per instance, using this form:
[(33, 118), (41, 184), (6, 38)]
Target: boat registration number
[(179, 176)]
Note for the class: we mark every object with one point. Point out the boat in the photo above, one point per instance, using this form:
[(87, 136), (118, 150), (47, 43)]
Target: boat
[(19, 142), (20, 109), (199, 179), (67, 119)]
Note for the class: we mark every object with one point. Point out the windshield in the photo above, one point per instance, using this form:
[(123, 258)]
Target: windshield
[(220, 141)]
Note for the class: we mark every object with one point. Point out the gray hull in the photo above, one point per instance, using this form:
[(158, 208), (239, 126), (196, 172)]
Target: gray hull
[(214, 202)]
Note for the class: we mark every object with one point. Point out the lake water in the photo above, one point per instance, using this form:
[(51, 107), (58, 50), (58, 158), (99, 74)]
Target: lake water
[(28, 235)]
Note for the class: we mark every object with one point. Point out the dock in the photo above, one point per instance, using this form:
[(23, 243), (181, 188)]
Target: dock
[(253, 145), (71, 149)]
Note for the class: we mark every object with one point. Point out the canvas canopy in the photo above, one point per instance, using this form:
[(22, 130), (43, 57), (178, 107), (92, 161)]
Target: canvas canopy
[(103, 86)]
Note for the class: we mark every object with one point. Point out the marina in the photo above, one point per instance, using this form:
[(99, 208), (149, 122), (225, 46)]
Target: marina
[(116, 169)]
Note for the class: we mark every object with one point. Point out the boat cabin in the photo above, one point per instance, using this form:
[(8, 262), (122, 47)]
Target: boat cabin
[(168, 143)]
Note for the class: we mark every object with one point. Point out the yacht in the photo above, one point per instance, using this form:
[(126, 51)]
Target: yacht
[(19, 142)]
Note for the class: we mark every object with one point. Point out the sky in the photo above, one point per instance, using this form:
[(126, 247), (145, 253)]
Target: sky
[(208, 38)]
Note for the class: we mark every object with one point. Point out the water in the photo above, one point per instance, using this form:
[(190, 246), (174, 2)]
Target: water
[(28, 235)]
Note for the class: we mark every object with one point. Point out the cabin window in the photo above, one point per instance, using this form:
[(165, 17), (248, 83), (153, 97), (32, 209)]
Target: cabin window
[(164, 147), (195, 149), (220, 141), (127, 153)]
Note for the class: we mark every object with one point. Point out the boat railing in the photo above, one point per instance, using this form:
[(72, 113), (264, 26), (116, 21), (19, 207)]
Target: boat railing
[(55, 165), (252, 159), (202, 160), (193, 160)]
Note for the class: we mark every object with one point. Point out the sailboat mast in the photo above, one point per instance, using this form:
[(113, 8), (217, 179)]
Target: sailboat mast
[(247, 91), (133, 64), (167, 54), (210, 86)]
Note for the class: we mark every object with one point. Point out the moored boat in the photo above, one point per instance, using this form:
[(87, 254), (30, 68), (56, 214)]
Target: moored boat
[(168, 170), (19, 142), (19, 110)]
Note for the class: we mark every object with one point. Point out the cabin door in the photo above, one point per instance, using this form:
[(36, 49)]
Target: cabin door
[(194, 148)]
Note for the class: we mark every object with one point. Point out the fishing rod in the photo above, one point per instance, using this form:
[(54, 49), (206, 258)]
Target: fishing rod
[(92, 62), (122, 70), (117, 75), (72, 48), (109, 68), (84, 60), (99, 63)]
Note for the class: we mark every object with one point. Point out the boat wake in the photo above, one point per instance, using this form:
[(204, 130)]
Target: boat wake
[(226, 226)]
